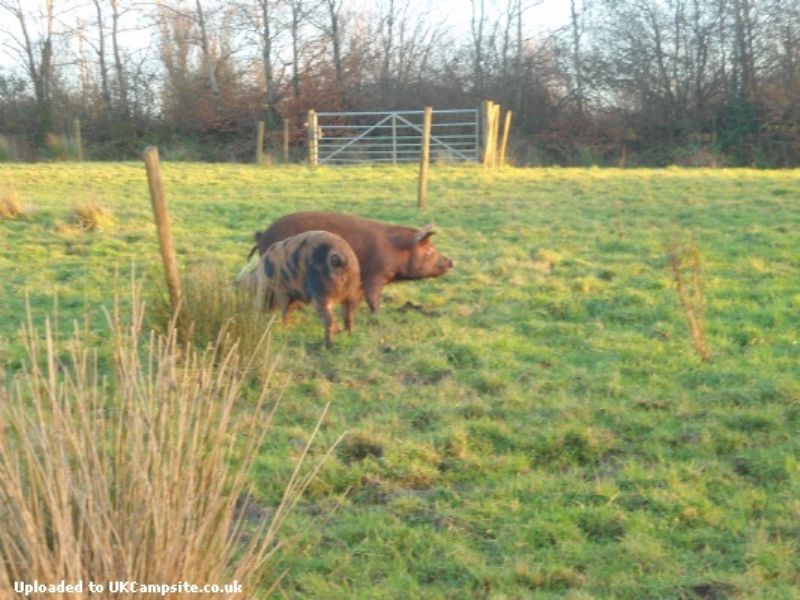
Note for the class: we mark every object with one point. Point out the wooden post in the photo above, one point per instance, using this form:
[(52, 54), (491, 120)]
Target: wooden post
[(313, 148), (495, 133), (486, 109), (424, 159), (394, 139), (161, 217), (260, 144), (78, 143), (286, 140), (491, 111), (504, 144)]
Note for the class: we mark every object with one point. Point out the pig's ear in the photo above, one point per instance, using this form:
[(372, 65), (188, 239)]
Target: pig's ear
[(424, 233)]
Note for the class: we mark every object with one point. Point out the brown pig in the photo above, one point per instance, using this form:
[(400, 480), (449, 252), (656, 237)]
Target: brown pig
[(386, 253), (316, 267)]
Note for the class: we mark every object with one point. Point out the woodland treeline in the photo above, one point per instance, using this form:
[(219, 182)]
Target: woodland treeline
[(633, 82)]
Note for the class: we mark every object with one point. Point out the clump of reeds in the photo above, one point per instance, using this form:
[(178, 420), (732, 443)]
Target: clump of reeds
[(91, 216), (685, 264), (137, 474), (212, 301), (10, 204)]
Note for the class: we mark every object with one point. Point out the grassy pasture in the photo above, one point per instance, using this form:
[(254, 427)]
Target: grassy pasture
[(535, 423)]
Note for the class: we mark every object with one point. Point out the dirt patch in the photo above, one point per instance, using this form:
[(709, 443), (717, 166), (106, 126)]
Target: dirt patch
[(412, 306), (712, 590)]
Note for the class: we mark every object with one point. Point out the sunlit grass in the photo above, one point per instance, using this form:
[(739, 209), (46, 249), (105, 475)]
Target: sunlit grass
[(536, 422)]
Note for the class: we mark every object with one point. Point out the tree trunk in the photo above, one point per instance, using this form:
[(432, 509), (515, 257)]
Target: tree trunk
[(576, 57), (297, 9), (744, 49), (477, 23), (121, 77), (386, 62), (101, 56), (40, 73), (208, 63), (518, 62), (270, 94), (336, 40)]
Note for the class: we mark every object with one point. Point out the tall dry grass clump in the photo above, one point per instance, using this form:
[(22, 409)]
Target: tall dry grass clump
[(212, 301), (685, 264), (130, 476), (10, 204)]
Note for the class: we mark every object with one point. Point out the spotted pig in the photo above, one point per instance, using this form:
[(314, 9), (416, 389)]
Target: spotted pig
[(316, 267)]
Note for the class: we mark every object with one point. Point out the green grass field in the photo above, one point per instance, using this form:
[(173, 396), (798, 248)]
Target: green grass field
[(537, 422)]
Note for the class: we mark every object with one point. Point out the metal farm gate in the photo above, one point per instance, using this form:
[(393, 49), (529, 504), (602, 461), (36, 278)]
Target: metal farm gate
[(392, 137)]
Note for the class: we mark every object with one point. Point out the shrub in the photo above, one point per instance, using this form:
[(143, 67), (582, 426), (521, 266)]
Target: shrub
[(61, 147)]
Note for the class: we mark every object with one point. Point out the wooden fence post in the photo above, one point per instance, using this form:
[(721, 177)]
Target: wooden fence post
[(486, 109), (161, 217), (495, 133), (78, 143), (286, 140), (424, 159), (504, 145), (260, 144), (313, 139)]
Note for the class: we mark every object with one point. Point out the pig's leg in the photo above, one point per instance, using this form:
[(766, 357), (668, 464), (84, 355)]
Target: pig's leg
[(292, 305), (349, 310), (372, 292), (282, 300), (326, 314)]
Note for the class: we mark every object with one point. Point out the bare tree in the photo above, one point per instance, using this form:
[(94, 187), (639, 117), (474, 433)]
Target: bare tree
[(518, 12), (122, 80), (208, 62), (266, 36), (745, 60), (576, 24), (36, 53), (83, 68), (297, 12), (386, 34), (101, 54), (477, 29), (334, 31), (176, 31)]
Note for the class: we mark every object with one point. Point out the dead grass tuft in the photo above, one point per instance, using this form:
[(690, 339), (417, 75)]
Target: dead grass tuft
[(685, 263), (10, 204), (91, 216)]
